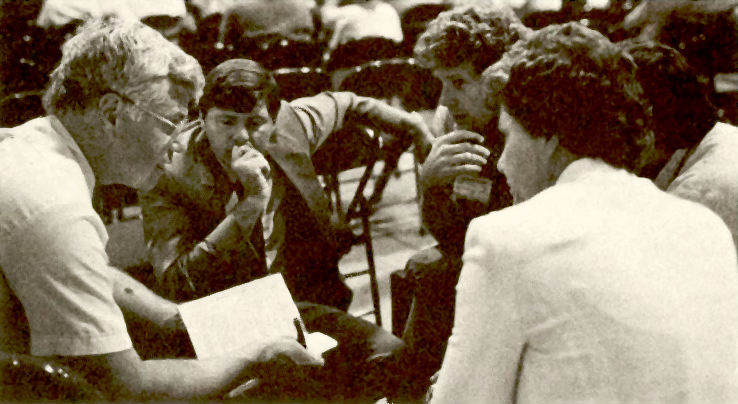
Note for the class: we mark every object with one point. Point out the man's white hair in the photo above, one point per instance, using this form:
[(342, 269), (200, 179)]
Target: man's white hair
[(123, 56)]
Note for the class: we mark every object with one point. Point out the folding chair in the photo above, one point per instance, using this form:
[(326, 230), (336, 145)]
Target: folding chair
[(19, 108), (25, 379), (301, 82), (411, 87), (333, 158), (210, 46), (357, 53), (274, 51)]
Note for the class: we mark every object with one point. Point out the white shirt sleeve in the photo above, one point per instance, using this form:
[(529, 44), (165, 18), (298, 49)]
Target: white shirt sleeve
[(484, 351), (56, 264)]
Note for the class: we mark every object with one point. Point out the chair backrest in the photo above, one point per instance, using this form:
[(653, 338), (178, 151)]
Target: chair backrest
[(416, 87), (277, 51), (357, 53), (18, 108), (301, 82)]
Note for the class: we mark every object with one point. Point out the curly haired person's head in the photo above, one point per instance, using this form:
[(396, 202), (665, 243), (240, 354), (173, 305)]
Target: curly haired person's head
[(472, 33), (571, 82)]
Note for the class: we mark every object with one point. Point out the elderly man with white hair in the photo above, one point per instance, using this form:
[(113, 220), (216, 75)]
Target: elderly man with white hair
[(118, 98)]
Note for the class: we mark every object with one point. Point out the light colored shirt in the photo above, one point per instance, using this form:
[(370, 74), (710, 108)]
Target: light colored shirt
[(354, 21), (710, 175), (600, 289), (52, 247), (61, 12)]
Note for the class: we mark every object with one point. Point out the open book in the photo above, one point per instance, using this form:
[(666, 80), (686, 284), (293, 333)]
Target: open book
[(244, 318)]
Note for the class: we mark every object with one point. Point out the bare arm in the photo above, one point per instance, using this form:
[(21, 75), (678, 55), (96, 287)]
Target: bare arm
[(124, 375), (132, 296)]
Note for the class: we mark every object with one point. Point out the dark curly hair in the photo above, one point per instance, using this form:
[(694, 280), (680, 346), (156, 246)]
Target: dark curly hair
[(682, 112), (473, 33), (571, 82)]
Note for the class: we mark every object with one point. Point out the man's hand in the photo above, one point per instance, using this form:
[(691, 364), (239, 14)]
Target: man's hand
[(287, 351), (282, 357), (453, 154), (343, 239), (252, 170)]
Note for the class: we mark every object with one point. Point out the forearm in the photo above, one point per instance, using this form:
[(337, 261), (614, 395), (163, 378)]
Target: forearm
[(134, 297), (374, 113), (191, 378), (444, 218)]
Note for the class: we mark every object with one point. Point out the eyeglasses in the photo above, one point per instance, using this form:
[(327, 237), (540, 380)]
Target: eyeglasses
[(174, 128)]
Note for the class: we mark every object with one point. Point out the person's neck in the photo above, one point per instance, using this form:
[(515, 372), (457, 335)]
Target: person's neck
[(560, 160), (89, 139)]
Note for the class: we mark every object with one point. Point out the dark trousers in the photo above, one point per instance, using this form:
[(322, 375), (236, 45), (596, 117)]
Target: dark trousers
[(432, 275), (347, 376)]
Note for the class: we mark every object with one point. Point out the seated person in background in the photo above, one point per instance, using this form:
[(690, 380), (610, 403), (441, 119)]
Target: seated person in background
[(704, 32), (596, 286), (289, 18), (458, 46), (261, 149), (352, 20), (169, 17), (111, 102), (695, 154)]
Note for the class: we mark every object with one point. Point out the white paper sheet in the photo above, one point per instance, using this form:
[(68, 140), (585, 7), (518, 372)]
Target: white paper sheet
[(318, 343), (241, 319)]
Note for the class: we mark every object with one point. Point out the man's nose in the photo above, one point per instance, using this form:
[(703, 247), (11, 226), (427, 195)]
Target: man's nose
[(501, 162), (242, 137)]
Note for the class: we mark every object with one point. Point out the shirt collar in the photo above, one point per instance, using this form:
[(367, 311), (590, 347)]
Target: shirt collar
[(587, 167), (76, 152), (203, 155)]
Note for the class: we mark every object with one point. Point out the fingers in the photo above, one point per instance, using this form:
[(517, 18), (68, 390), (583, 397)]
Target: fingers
[(239, 151), (459, 136), (468, 169), (445, 151), (292, 351), (461, 156), (448, 173)]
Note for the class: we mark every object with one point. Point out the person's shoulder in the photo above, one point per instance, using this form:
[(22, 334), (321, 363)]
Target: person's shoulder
[(713, 163), (508, 224), (37, 172)]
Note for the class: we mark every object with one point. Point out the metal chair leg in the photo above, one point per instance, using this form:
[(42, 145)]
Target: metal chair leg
[(366, 234)]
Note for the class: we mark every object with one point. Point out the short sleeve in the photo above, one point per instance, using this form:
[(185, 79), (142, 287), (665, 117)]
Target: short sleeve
[(55, 263)]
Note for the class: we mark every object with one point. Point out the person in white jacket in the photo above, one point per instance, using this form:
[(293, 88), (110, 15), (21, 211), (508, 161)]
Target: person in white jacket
[(596, 286)]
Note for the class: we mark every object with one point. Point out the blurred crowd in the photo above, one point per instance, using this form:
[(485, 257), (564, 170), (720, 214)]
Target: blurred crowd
[(576, 165)]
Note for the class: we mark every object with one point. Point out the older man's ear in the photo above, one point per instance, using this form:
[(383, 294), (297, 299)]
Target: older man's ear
[(109, 107)]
